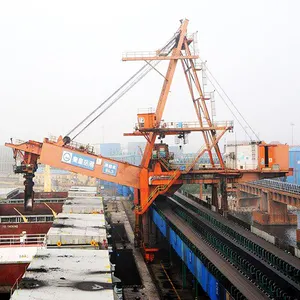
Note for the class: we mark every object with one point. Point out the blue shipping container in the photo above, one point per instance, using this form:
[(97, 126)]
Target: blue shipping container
[(294, 156)]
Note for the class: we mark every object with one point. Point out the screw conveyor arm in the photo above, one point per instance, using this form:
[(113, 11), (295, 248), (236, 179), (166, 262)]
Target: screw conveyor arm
[(70, 158)]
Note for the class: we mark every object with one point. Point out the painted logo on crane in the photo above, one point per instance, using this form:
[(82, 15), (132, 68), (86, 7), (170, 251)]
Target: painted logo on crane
[(78, 160), (110, 168)]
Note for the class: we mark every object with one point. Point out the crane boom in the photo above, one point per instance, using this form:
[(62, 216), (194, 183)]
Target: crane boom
[(90, 164), (66, 157), (78, 160)]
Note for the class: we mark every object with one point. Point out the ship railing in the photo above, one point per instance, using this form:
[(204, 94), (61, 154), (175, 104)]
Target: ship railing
[(30, 219), (46, 200), (23, 240)]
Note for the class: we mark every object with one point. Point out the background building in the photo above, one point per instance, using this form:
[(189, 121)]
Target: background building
[(134, 147), (110, 149), (6, 161)]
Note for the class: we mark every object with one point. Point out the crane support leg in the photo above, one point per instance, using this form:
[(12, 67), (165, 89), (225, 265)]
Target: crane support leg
[(224, 200), (145, 221), (137, 231), (214, 196)]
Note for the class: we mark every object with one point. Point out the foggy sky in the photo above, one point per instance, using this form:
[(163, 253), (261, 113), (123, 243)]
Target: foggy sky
[(60, 59)]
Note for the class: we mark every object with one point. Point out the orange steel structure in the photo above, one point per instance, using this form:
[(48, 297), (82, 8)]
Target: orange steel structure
[(156, 175)]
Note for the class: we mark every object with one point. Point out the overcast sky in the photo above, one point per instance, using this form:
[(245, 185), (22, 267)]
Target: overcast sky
[(60, 59)]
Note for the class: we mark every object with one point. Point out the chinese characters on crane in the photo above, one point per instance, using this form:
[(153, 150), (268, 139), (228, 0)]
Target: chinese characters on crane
[(78, 160), (110, 168)]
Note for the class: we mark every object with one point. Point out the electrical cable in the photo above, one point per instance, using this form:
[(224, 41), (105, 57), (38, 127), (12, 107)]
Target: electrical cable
[(106, 100), (233, 105), (227, 105), (146, 68), (115, 100)]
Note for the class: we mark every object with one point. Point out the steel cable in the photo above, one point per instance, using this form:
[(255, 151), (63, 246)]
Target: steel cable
[(168, 47)]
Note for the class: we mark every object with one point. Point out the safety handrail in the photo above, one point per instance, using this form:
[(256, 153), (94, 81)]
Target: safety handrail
[(48, 200), (191, 125), (131, 54), (159, 189), (24, 240), (30, 218), (15, 286), (165, 163)]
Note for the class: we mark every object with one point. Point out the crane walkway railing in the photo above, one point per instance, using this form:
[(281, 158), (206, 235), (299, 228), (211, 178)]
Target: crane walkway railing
[(142, 54), (191, 125), (76, 145)]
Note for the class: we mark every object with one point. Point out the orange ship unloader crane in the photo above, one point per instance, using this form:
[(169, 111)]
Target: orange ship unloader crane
[(157, 174)]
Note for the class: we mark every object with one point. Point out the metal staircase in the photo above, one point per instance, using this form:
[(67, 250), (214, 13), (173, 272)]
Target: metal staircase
[(165, 163), (160, 189)]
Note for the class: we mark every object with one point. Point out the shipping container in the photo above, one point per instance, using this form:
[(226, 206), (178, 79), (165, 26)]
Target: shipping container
[(294, 156)]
